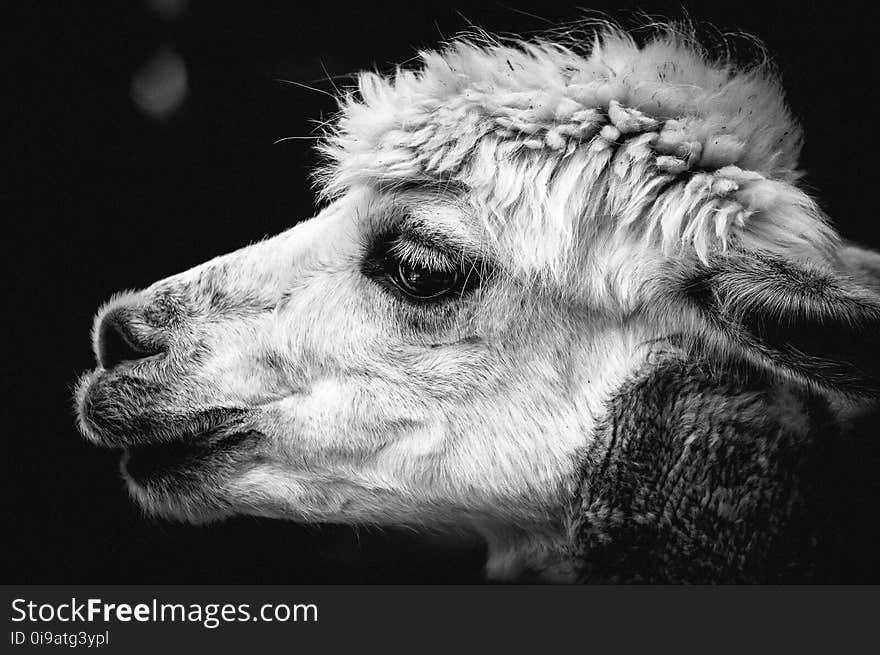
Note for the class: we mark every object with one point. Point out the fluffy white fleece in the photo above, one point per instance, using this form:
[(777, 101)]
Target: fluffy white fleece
[(555, 140)]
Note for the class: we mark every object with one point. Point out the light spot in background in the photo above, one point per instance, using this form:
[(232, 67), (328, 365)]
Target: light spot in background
[(167, 9), (160, 86)]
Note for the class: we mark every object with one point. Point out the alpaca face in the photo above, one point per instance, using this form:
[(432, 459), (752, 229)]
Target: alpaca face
[(375, 363), (514, 232)]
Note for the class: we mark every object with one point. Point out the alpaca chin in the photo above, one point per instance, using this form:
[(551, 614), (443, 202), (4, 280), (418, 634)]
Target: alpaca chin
[(195, 508)]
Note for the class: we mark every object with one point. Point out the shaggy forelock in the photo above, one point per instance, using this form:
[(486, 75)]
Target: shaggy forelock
[(658, 143)]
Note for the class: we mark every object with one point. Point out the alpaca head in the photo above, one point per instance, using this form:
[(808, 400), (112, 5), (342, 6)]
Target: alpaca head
[(377, 362), (510, 232)]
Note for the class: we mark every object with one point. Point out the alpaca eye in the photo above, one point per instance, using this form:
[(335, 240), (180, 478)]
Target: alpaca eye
[(415, 270), (422, 282)]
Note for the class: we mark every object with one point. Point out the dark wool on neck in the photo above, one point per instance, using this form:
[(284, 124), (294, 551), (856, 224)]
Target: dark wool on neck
[(698, 476)]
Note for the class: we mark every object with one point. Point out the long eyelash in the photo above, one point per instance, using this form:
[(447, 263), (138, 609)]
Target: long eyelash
[(421, 256)]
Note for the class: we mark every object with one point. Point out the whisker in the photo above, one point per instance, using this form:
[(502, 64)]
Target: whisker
[(306, 86), (525, 13), (330, 79), (291, 138)]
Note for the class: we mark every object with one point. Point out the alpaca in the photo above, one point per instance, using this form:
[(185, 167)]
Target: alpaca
[(570, 297)]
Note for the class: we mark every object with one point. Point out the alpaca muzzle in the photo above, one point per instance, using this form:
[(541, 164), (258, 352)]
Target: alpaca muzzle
[(141, 392)]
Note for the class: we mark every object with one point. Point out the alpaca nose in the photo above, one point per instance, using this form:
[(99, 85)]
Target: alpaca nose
[(117, 342)]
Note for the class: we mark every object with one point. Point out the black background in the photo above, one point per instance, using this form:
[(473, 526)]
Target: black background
[(104, 198)]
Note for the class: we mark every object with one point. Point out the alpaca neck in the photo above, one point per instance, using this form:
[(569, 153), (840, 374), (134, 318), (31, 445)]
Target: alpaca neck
[(691, 476)]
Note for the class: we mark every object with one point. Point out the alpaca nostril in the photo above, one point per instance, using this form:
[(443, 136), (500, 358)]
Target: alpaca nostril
[(117, 343)]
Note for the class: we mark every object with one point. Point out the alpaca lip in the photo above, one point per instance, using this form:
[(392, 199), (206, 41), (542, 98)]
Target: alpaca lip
[(120, 411), (172, 462), (165, 444)]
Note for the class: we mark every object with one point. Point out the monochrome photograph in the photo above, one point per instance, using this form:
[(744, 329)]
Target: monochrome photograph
[(431, 294)]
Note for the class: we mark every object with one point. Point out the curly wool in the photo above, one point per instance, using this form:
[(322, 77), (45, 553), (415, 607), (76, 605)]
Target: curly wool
[(660, 141)]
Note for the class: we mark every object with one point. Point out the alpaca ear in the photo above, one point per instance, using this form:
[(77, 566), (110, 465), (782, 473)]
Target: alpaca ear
[(813, 322)]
